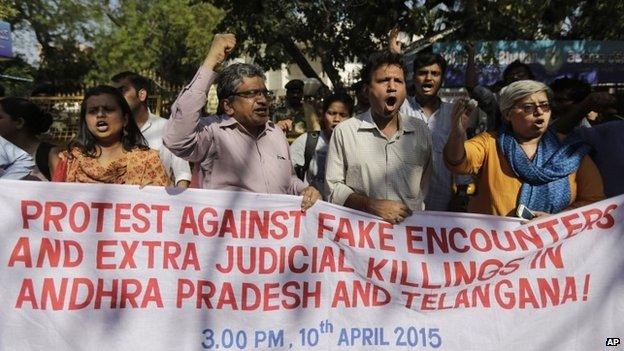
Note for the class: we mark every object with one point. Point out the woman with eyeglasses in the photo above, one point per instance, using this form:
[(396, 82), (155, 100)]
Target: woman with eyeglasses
[(109, 148), (524, 168)]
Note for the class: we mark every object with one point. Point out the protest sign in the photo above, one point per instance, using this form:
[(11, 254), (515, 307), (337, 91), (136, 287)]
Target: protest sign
[(121, 268)]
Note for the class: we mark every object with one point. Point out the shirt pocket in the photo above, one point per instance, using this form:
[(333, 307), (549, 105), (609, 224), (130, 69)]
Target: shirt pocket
[(413, 168), (283, 174), (415, 153), (362, 168)]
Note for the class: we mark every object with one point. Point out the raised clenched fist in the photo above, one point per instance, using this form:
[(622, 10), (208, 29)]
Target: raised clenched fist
[(221, 46)]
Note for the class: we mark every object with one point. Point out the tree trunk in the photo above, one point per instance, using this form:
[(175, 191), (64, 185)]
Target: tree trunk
[(332, 73), (296, 54)]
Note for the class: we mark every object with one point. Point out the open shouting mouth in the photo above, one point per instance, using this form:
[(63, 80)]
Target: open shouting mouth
[(101, 126), (427, 87), (391, 102)]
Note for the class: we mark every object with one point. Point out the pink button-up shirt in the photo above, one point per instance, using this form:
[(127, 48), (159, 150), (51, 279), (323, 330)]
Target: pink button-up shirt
[(228, 156)]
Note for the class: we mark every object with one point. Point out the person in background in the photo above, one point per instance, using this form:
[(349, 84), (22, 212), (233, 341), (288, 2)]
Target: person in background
[(524, 162), (15, 163), (21, 123), (487, 98), (568, 93), (134, 87), (309, 151), (241, 150), (294, 116), (606, 139), (108, 147), (361, 97), (380, 161), (426, 105)]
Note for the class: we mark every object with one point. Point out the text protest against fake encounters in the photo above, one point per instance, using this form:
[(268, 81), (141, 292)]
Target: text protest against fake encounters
[(118, 267)]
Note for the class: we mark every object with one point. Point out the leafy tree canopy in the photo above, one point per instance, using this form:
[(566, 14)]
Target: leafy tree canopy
[(87, 40), (168, 37), (335, 31)]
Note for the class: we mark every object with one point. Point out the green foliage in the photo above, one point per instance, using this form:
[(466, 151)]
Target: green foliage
[(534, 19), (83, 42), (59, 27), (598, 20), (169, 37), (6, 10), (17, 68), (272, 31), (86, 41), (341, 31)]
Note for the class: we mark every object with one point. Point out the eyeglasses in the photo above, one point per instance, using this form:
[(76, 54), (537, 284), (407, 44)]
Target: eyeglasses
[(253, 94), (532, 108)]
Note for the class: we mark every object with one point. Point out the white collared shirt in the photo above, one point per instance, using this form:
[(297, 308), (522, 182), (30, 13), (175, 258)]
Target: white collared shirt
[(315, 175), (176, 168), (15, 163)]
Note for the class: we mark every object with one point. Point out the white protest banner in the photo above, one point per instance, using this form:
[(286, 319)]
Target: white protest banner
[(104, 267)]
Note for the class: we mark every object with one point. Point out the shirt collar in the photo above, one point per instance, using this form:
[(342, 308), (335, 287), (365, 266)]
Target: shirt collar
[(228, 121), (414, 102), (406, 124), (150, 118), (418, 107), (366, 121)]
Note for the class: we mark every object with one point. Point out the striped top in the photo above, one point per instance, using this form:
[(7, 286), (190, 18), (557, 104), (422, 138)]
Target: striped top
[(364, 161)]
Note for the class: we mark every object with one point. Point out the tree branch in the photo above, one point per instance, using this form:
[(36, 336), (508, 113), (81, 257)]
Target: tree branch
[(295, 53), (332, 72)]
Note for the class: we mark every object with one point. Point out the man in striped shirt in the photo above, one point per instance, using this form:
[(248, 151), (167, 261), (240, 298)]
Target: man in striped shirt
[(380, 161)]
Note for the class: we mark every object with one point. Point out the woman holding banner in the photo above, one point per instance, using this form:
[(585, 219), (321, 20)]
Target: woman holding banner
[(524, 168), (109, 147)]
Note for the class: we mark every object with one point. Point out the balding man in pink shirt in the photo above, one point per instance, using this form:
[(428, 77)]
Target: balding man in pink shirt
[(241, 150)]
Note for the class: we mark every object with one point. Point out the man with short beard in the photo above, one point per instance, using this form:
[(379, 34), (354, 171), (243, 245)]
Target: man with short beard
[(427, 106), (380, 161), (240, 150)]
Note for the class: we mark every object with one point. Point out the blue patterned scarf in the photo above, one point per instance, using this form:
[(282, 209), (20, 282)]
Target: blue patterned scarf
[(545, 184)]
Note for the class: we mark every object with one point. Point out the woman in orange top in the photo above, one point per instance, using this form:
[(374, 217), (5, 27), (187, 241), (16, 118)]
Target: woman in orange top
[(525, 162), (109, 147)]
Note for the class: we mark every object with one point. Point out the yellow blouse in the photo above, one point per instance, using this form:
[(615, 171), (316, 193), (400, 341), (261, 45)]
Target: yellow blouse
[(498, 187)]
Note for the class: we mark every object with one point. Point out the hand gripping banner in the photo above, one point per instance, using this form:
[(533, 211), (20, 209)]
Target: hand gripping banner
[(104, 267)]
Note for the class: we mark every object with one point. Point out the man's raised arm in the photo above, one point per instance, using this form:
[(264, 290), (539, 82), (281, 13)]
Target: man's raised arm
[(183, 134)]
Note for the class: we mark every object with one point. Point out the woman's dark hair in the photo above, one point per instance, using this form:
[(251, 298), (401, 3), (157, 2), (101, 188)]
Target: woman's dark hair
[(131, 136), (36, 120), (341, 97)]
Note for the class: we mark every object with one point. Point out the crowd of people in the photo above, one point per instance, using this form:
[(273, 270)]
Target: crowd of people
[(515, 148)]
